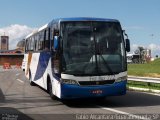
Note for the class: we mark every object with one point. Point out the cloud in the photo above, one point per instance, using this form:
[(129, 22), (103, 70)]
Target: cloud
[(16, 33), (151, 46), (135, 47), (154, 47)]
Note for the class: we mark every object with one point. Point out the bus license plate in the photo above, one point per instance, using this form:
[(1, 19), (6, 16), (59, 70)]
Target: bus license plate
[(97, 91)]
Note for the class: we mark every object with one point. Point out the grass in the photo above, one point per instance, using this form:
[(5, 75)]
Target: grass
[(151, 69), (154, 86)]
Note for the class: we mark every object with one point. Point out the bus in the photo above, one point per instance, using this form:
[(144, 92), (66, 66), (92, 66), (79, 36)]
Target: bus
[(78, 57)]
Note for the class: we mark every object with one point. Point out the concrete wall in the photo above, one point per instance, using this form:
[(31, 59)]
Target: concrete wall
[(12, 59)]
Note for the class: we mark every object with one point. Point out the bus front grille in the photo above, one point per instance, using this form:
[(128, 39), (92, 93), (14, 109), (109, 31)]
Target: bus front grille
[(104, 82)]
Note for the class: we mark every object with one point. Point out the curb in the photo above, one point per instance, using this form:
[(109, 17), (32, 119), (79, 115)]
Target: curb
[(144, 89)]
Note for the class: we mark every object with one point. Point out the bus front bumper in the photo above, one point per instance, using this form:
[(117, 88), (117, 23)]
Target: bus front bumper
[(74, 91)]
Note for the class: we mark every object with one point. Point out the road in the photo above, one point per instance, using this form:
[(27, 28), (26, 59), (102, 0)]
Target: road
[(21, 101)]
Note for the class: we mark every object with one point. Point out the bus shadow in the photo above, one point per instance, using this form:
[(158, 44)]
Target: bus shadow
[(8, 113), (83, 103), (131, 99), (2, 97)]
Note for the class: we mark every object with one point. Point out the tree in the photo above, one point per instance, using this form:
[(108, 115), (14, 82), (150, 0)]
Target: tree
[(140, 52)]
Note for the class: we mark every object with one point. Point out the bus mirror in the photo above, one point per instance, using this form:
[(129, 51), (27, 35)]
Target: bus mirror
[(56, 43), (127, 45)]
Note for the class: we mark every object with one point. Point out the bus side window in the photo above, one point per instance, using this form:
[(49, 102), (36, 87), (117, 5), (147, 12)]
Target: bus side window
[(35, 42), (52, 38), (47, 41), (26, 46), (29, 44), (56, 55), (41, 41), (32, 44)]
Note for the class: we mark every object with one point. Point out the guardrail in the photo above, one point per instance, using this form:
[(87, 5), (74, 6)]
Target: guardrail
[(144, 79)]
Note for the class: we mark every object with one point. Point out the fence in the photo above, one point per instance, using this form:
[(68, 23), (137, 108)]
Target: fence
[(146, 84)]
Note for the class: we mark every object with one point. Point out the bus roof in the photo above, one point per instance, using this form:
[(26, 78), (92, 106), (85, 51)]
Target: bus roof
[(85, 19), (56, 21), (43, 27), (31, 34), (35, 31)]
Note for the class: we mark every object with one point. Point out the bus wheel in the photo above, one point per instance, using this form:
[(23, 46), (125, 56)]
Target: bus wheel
[(30, 79), (53, 97)]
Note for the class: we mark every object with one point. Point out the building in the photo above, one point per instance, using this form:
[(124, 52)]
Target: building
[(4, 43), (13, 57), (143, 57), (147, 55), (21, 45)]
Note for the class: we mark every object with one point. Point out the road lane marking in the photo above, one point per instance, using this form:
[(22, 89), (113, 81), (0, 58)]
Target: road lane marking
[(20, 81), (148, 93), (124, 113), (152, 94)]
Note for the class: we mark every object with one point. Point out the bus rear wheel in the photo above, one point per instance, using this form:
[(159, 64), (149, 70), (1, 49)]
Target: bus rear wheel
[(53, 97)]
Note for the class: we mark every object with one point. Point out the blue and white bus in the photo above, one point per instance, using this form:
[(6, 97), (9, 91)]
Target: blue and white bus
[(78, 58)]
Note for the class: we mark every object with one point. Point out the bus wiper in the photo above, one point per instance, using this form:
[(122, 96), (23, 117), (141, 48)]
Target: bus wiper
[(94, 57), (106, 64)]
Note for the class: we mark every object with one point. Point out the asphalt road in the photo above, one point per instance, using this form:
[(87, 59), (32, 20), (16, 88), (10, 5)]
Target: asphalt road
[(20, 101)]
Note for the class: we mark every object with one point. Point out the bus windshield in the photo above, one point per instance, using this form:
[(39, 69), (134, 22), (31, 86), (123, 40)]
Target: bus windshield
[(92, 48)]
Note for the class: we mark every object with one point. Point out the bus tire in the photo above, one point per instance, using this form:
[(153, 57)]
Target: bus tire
[(30, 79), (53, 97)]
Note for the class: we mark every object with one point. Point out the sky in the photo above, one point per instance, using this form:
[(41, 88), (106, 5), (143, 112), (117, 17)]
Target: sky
[(139, 18)]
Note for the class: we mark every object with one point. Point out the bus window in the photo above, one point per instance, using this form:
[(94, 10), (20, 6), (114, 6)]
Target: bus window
[(56, 56), (29, 44), (47, 41), (41, 41), (32, 44), (26, 46), (52, 38)]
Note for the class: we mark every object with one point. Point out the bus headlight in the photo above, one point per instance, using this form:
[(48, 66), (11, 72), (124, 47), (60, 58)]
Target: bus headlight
[(120, 79), (68, 81)]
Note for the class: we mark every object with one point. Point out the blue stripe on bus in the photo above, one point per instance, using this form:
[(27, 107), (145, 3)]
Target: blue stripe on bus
[(74, 91), (57, 76), (42, 64)]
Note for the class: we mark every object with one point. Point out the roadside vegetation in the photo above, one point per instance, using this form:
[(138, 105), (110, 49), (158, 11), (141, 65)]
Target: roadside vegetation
[(151, 69), (150, 86)]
